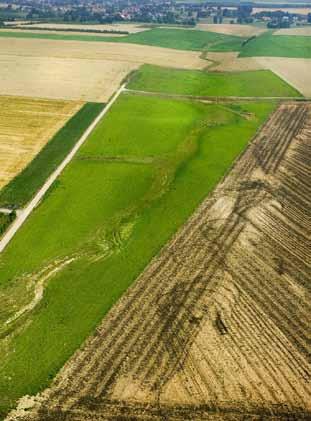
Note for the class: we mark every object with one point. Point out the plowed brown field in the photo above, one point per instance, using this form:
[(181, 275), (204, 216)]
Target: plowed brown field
[(25, 126), (218, 326)]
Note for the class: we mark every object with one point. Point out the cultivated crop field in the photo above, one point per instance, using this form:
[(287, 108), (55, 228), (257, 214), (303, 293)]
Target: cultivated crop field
[(259, 83), (26, 125), (63, 69), (217, 326), (84, 254)]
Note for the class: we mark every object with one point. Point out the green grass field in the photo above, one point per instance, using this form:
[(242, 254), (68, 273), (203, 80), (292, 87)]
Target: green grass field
[(183, 39), (137, 179), (22, 188), (179, 39), (269, 45), (199, 83)]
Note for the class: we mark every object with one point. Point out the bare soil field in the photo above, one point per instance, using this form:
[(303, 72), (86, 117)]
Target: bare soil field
[(295, 71), (230, 62), (129, 27), (218, 326), (302, 31), (25, 127), (228, 29), (62, 69)]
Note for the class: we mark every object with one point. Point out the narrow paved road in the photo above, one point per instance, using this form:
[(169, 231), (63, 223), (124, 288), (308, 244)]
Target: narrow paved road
[(24, 213)]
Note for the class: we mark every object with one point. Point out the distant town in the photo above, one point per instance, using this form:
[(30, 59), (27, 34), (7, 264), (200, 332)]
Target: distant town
[(154, 12)]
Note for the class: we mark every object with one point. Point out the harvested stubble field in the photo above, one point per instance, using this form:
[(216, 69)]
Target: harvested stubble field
[(165, 156), (228, 29), (217, 326), (295, 71), (25, 126), (62, 69), (302, 31)]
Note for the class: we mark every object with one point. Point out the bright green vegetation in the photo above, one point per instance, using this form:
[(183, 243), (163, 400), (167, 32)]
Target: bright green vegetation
[(137, 179), (269, 45), (194, 82), (183, 39), (22, 188), (179, 39), (5, 221)]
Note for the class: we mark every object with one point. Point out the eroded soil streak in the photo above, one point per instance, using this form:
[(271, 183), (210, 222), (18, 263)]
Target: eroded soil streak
[(218, 325)]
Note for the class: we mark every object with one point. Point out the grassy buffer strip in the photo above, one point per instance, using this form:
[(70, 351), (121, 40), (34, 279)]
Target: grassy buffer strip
[(24, 214), (22, 188)]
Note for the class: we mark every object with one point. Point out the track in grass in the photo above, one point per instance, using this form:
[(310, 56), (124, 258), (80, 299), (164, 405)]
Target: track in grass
[(217, 326), (165, 156)]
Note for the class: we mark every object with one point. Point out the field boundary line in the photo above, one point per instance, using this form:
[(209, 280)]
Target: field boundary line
[(23, 214), (218, 98)]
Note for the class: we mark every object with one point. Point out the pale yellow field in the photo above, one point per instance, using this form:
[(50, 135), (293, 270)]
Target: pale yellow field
[(228, 29), (295, 71), (89, 71), (44, 31), (304, 31), (25, 126), (129, 27)]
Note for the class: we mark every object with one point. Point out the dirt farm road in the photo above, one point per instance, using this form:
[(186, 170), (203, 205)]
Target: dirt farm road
[(23, 214)]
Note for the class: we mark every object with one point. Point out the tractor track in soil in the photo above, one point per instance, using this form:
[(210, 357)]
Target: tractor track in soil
[(218, 325)]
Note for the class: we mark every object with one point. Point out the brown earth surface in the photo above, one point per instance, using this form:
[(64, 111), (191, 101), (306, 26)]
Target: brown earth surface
[(25, 126), (218, 325), (228, 29), (230, 62), (295, 71), (89, 71), (302, 31)]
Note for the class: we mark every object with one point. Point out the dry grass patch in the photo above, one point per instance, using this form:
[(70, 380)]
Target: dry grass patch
[(25, 127)]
